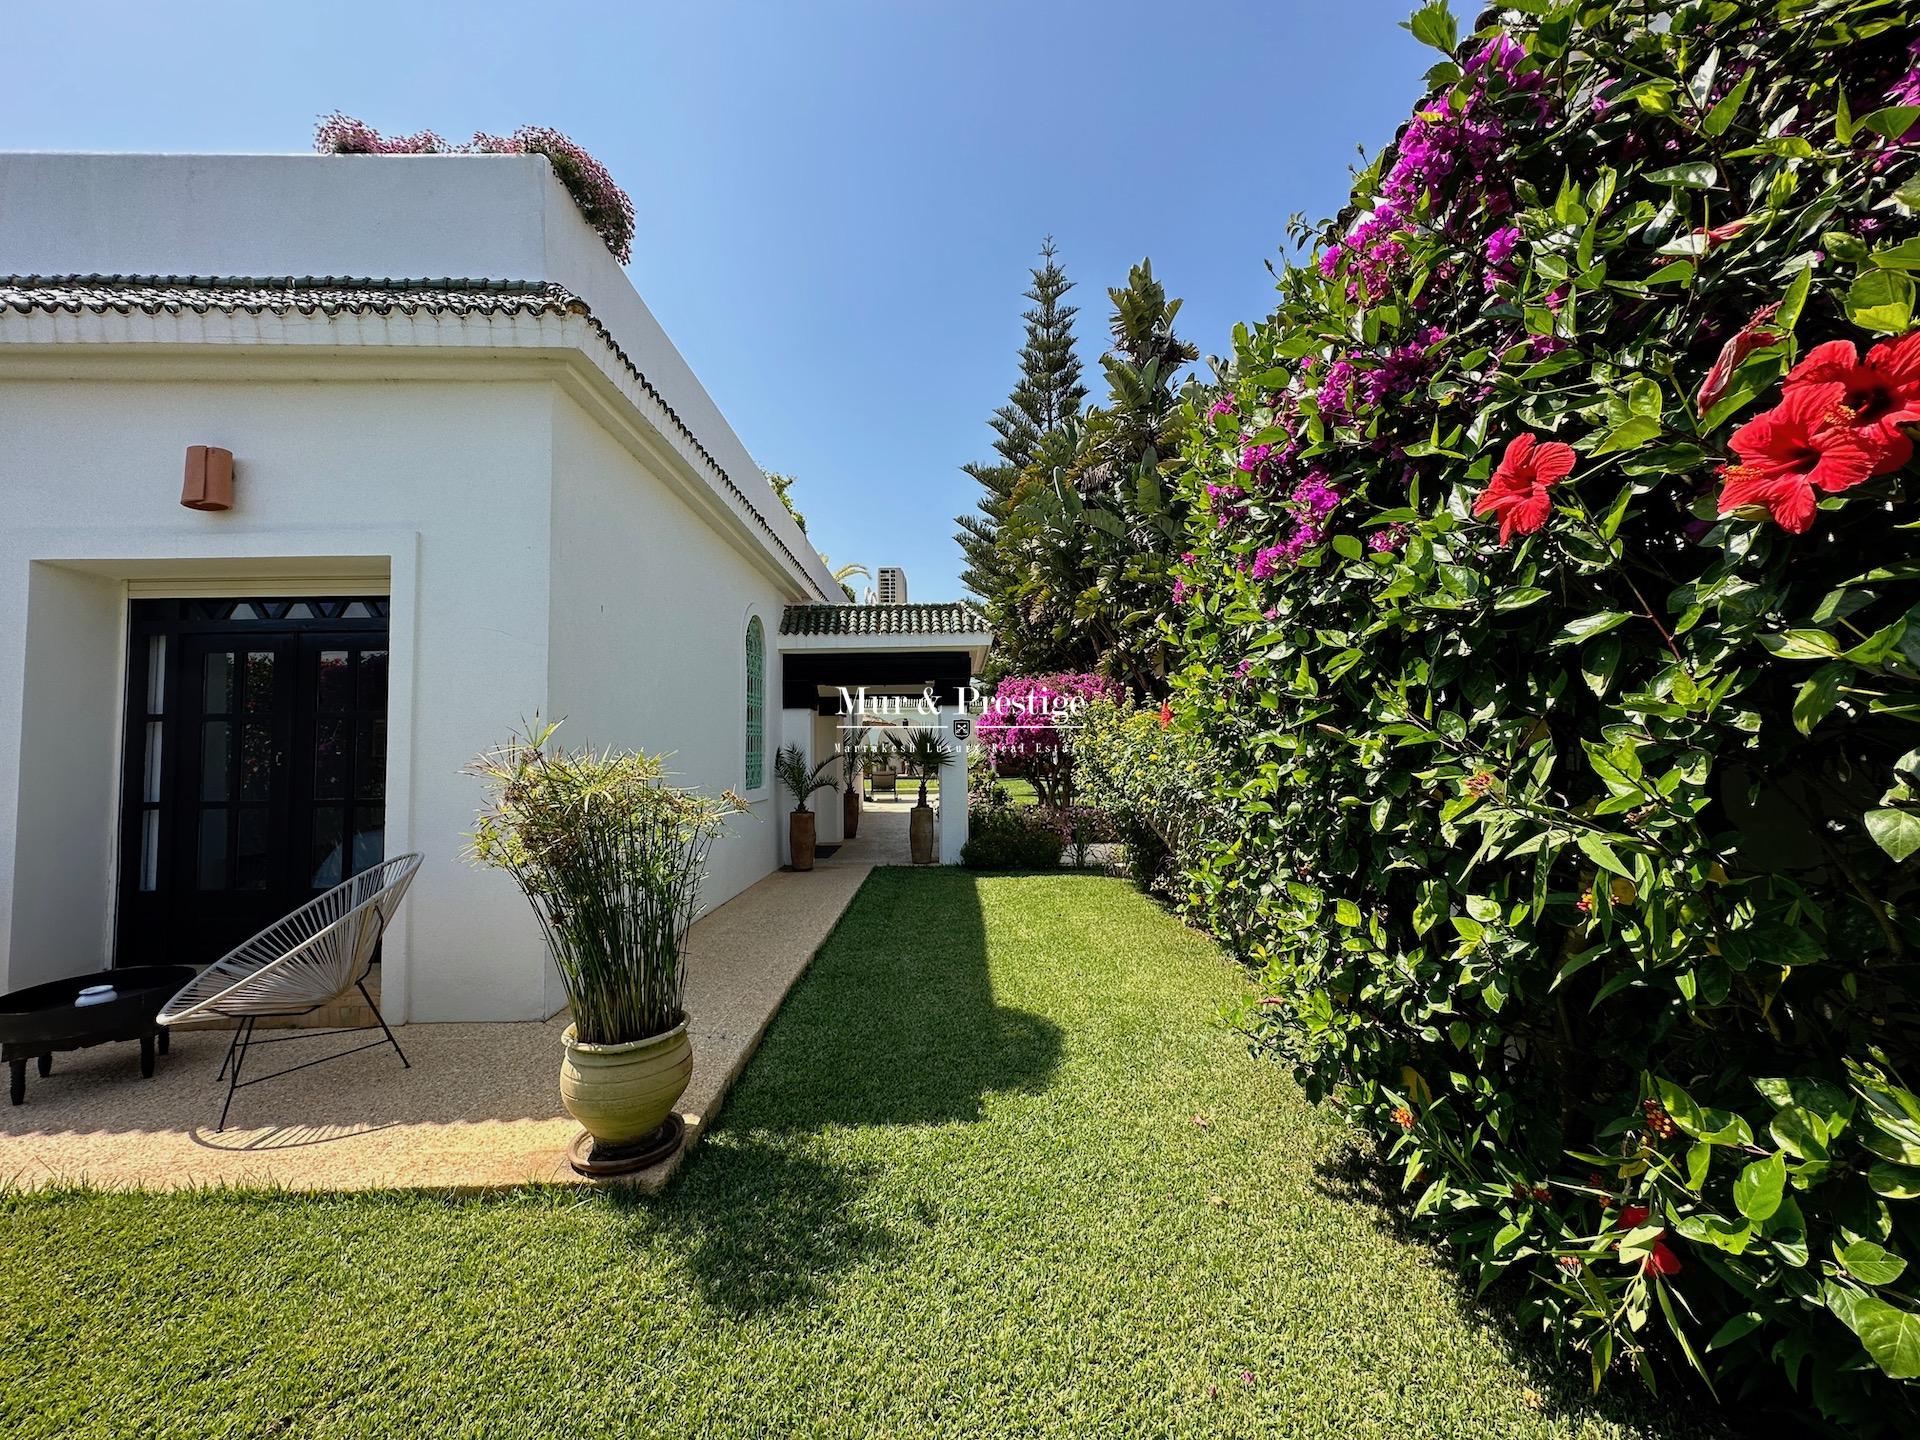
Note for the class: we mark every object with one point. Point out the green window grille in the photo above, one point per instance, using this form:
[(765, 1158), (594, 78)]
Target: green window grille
[(756, 705)]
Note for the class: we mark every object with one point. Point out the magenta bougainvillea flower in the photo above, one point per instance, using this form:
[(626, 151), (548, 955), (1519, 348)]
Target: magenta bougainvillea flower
[(1025, 718), (607, 207)]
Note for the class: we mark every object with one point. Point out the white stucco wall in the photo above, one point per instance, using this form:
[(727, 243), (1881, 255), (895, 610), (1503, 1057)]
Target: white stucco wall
[(650, 614), (501, 217), (552, 543), (440, 490)]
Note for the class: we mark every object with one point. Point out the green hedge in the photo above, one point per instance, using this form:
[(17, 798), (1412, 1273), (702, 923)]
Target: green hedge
[(1012, 837), (1566, 818)]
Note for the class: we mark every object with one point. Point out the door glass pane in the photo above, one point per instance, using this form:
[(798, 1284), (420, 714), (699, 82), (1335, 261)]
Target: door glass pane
[(213, 849), (259, 680), (357, 610), (326, 853), (156, 674), (336, 682), (256, 762), (150, 850), (214, 746), (218, 688), (373, 680), (330, 758), (252, 849), (150, 772), (370, 764), (369, 836)]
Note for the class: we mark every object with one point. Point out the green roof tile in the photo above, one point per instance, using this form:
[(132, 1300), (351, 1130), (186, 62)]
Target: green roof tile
[(953, 618)]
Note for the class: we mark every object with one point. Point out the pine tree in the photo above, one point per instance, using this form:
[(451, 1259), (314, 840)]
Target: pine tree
[(1048, 395), (1087, 544)]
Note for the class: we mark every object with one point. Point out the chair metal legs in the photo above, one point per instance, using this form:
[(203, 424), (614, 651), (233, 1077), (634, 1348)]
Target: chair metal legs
[(243, 1041)]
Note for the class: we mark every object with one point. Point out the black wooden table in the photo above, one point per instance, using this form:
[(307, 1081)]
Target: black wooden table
[(83, 1010)]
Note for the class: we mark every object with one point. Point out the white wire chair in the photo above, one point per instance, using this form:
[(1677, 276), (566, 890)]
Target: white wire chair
[(293, 967)]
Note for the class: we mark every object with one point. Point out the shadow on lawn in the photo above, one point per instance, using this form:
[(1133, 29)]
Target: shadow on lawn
[(895, 1024)]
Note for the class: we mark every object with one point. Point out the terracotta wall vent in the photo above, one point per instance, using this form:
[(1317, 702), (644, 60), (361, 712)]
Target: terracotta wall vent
[(209, 484)]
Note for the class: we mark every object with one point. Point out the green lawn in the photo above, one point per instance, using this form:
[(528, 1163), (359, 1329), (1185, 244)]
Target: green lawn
[(997, 1170), (1019, 790)]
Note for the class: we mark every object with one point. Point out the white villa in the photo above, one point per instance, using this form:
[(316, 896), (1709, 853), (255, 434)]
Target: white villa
[(472, 483)]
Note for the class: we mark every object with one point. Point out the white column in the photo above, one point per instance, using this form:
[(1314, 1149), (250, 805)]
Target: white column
[(796, 728), (953, 784)]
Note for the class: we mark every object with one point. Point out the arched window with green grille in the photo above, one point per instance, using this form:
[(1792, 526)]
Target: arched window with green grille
[(756, 704)]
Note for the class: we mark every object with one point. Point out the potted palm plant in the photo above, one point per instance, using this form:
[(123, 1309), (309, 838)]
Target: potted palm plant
[(928, 754), (790, 768), (610, 857), (852, 748)]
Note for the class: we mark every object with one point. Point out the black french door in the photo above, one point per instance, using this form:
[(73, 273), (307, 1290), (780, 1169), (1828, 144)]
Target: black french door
[(255, 771)]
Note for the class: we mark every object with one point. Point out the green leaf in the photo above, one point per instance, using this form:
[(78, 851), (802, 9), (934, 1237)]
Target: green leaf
[(1601, 853), (1795, 299), (1433, 24), (1869, 1263), (1743, 1324), (1896, 1182), (1757, 1189), (1904, 256), (1694, 175), (1892, 121), (1588, 626), (1716, 1127), (1519, 597), (1722, 113), (1895, 831), (1881, 300), (1348, 546), (1699, 1161), (1891, 1336), (1818, 695), (1628, 435)]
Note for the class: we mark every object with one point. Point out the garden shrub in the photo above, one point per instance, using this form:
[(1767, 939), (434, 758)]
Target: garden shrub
[(606, 207), (1551, 598), (1012, 837), (1154, 784)]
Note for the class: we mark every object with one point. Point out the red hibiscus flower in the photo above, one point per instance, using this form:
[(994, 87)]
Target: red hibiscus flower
[(1517, 493), (1755, 333), (1805, 442), (1660, 1260), (1883, 391)]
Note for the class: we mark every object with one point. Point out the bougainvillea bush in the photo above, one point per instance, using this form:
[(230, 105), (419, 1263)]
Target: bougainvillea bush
[(605, 205), (1554, 598), (1025, 724)]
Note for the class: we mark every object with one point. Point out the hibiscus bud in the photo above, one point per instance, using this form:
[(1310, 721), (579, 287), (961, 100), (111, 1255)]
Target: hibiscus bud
[(1751, 337)]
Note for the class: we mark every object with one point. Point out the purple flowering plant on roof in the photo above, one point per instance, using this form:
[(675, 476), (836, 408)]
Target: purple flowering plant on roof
[(603, 204)]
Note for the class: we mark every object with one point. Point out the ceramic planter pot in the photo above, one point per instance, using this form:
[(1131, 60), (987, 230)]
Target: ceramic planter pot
[(850, 809), (800, 839), (920, 834), (621, 1094)]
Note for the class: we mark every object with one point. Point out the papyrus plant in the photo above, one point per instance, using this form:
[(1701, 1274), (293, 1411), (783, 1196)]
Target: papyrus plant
[(611, 858)]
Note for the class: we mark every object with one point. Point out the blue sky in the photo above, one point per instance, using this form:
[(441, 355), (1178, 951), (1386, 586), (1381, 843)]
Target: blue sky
[(837, 201)]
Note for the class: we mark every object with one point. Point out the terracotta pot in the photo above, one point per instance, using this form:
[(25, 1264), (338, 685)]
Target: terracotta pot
[(623, 1093), (920, 834), (800, 839), (850, 810)]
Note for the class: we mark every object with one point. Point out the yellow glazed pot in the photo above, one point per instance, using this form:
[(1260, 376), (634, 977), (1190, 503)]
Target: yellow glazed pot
[(623, 1093)]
